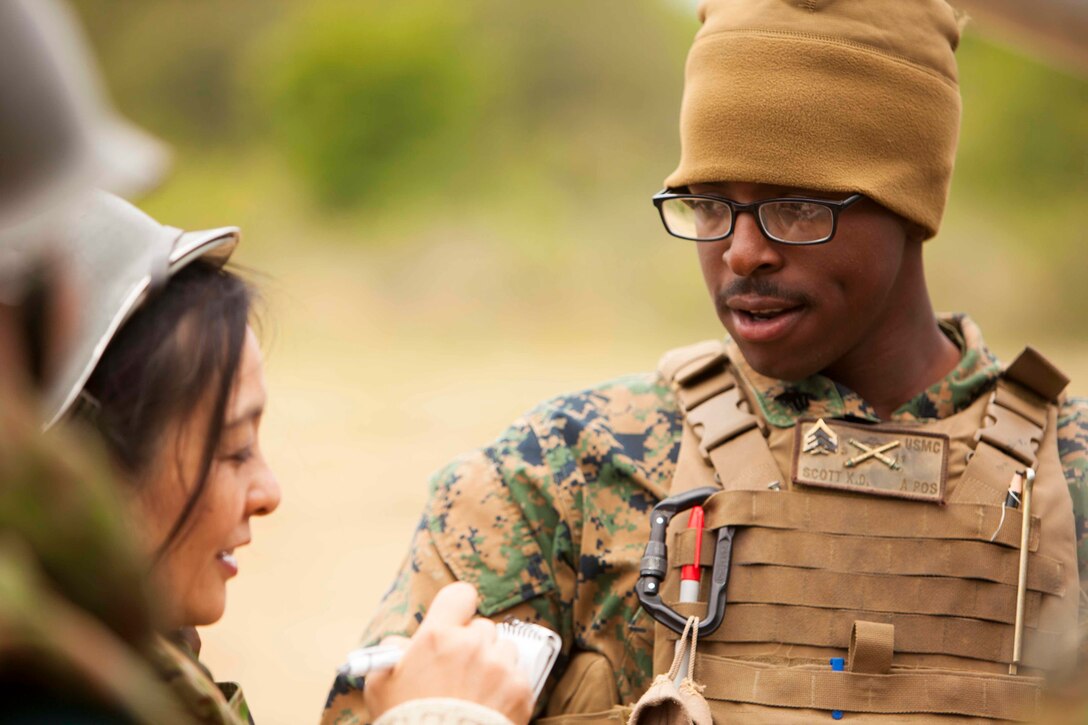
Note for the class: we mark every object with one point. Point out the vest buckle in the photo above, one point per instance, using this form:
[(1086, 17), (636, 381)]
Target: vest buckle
[(655, 565)]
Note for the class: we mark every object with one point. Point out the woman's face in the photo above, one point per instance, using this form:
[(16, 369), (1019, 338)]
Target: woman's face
[(192, 574)]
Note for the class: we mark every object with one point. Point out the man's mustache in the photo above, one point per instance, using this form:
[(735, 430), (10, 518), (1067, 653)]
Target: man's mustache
[(762, 287)]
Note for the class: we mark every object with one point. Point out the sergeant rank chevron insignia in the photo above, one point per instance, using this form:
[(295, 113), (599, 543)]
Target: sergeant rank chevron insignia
[(820, 440)]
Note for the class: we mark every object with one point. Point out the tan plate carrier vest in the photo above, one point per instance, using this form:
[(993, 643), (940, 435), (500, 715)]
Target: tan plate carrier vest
[(919, 597)]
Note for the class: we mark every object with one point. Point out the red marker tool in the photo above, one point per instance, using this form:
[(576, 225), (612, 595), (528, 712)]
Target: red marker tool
[(690, 574)]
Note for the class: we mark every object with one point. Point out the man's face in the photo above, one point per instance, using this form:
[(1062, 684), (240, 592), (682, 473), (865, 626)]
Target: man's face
[(799, 310)]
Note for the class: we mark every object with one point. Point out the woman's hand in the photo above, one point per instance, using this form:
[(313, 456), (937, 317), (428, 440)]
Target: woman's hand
[(454, 654)]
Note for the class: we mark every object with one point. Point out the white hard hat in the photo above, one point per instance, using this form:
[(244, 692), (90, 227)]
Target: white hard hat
[(115, 254)]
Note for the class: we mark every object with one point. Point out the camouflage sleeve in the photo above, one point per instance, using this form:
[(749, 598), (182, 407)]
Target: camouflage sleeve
[(489, 521), (1073, 451), (549, 523)]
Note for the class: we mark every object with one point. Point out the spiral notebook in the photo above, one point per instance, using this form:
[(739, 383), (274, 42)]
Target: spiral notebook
[(537, 647)]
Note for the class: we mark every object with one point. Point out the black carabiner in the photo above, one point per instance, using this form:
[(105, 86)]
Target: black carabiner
[(655, 565)]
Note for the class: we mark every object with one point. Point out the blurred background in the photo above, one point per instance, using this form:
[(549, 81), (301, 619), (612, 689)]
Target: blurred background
[(447, 207)]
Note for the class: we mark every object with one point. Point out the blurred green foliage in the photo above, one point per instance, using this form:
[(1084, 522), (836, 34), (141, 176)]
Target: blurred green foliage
[(369, 101), (533, 135), (1025, 127), (1022, 174), (171, 64)]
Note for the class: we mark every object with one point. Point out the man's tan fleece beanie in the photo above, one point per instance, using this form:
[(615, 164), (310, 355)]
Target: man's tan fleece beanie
[(832, 95)]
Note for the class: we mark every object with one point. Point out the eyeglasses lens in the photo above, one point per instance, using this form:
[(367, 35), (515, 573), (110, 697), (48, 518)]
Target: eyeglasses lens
[(697, 218), (797, 221)]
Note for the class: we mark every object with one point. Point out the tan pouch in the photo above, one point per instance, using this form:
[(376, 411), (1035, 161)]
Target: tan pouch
[(587, 686), (668, 702)]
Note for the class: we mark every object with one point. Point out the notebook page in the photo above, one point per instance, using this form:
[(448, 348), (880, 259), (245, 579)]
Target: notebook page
[(537, 648)]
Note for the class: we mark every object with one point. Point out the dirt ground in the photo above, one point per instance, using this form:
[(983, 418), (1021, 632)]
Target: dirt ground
[(363, 407)]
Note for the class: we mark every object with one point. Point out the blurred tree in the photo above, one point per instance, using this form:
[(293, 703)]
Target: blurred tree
[(1022, 170), (170, 63), (370, 101), (367, 97), (1025, 129)]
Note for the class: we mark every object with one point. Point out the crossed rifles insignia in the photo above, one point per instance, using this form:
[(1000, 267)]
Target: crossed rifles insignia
[(876, 452), (821, 440)]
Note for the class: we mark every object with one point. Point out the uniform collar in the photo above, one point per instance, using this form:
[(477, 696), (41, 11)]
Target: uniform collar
[(784, 402)]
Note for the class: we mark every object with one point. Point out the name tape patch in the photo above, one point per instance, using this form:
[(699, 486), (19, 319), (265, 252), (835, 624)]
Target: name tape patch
[(874, 459)]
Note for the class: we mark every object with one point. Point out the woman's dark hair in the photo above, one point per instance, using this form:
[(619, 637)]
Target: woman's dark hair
[(183, 343)]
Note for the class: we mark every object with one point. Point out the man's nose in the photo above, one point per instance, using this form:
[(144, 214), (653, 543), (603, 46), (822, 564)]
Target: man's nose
[(747, 251)]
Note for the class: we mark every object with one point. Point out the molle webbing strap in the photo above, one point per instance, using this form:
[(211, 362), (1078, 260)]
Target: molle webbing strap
[(717, 412), (871, 648), (938, 596), (1014, 424), (906, 692), (682, 548), (866, 516), (909, 557), (915, 633)]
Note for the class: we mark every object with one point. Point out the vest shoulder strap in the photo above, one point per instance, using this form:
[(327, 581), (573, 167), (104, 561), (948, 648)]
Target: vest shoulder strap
[(1034, 372), (1013, 427), (716, 413), (685, 364)]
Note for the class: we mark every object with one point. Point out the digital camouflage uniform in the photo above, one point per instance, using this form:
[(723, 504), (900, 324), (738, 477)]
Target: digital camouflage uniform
[(77, 642), (550, 521)]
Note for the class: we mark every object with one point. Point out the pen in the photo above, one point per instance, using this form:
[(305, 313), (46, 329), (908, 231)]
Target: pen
[(537, 649), (1022, 578), (838, 664), (361, 662), (690, 574)]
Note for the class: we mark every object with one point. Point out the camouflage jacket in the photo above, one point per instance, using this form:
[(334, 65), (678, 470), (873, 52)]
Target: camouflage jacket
[(78, 639), (208, 701), (550, 520)]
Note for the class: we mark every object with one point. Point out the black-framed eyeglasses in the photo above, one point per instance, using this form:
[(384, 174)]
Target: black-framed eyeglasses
[(789, 220)]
